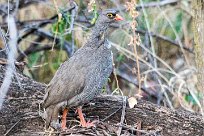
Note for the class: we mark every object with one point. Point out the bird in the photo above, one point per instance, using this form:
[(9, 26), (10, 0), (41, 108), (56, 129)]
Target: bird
[(82, 77)]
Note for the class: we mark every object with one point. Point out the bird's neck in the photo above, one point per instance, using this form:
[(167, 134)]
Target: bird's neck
[(97, 35)]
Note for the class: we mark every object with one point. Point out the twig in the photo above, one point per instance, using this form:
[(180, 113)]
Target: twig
[(3, 61), (122, 116), (11, 128), (110, 115), (116, 79), (131, 128), (139, 126), (17, 64)]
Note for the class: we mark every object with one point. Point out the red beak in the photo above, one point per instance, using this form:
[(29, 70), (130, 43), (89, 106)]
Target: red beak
[(118, 17)]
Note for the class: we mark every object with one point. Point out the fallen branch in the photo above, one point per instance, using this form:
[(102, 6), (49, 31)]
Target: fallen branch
[(19, 115)]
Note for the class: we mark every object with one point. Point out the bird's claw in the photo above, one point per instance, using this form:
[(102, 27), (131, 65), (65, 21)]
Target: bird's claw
[(89, 124), (64, 128)]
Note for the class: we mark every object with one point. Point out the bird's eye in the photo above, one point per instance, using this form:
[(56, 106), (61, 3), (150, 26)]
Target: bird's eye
[(110, 15)]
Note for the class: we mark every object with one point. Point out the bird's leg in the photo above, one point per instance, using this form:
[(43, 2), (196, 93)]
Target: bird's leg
[(64, 116), (82, 119)]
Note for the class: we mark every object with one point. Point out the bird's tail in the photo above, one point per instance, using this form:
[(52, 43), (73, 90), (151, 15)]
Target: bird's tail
[(46, 113)]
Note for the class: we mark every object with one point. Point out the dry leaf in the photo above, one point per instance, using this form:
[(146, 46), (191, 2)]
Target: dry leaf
[(132, 102)]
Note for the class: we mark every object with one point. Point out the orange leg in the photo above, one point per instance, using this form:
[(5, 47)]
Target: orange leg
[(82, 120), (64, 116)]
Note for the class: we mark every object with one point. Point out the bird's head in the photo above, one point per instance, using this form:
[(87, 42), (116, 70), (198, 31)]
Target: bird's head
[(109, 16), (105, 18)]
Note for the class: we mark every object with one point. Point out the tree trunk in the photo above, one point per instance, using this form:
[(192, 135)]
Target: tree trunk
[(198, 28), (19, 115)]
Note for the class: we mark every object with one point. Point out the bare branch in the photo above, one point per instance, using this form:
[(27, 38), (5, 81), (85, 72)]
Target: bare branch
[(11, 59), (21, 3)]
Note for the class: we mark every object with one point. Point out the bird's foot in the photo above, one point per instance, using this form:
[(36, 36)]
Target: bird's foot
[(89, 124), (64, 128), (83, 122), (55, 124)]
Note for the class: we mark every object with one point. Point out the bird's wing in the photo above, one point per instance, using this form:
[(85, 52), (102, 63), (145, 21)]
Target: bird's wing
[(95, 80), (96, 83), (69, 78)]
